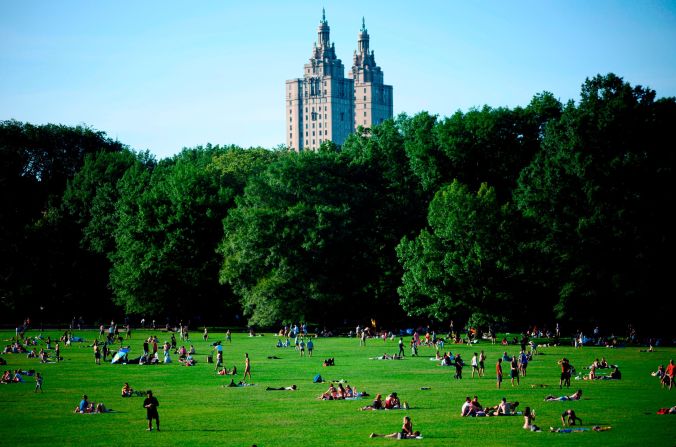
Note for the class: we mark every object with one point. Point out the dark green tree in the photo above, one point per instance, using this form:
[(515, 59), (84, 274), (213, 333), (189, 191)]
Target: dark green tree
[(596, 193), (41, 264)]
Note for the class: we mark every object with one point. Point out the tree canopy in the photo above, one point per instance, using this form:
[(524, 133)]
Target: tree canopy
[(529, 214)]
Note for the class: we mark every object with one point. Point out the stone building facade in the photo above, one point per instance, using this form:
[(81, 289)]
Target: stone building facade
[(325, 105)]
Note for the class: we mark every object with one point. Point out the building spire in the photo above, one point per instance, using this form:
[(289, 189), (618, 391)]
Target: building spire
[(323, 22), (363, 25)]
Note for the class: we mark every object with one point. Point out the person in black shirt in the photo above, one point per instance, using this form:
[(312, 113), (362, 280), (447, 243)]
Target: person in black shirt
[(150, 404)]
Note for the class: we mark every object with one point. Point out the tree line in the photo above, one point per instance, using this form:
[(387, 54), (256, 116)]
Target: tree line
[(494, 215)]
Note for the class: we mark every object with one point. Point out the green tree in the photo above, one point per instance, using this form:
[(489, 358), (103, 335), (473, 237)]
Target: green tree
[(460, 265), (170, 223), (40, 260), (597, 193)]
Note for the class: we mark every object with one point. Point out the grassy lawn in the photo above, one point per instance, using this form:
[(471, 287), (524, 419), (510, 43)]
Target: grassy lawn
[(195, 408)]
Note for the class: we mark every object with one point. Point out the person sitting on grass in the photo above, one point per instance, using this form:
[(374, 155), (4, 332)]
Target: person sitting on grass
[(405, 433), (392, 402), (127, 391), (18, 376), (569, 417), (659, 373), (376, 405), (467, 408), (575, 396), (283, 388), (528, 418), (188, 361), (330, 394), (504, 408)]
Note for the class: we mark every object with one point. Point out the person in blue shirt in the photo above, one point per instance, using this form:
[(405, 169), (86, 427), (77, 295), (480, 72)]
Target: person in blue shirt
[(84, 404)]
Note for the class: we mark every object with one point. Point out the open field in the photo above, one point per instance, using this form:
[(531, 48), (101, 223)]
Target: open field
[(196, 409)]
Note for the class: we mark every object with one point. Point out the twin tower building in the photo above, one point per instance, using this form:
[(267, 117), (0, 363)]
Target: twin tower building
[(324, 105)]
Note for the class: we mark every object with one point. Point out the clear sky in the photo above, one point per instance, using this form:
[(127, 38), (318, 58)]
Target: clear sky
[(163, 75)]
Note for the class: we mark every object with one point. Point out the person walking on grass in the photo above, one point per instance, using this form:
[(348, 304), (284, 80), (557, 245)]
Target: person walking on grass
[(401, 347), (150, 404), (38, 382), (482, 360), (498, 372), (514, 370), (247, 366)]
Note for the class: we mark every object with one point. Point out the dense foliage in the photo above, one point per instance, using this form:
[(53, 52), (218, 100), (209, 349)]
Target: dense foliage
[(525, 215)]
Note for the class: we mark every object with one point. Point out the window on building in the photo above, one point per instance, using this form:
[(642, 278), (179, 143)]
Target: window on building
[(290, 127), (306, 134), (364, 97), (290, 135), (364, 112), (325, 116), (342, 116), (364, 89), (326, 132), (313, 133), (320, 125), (325, 108)]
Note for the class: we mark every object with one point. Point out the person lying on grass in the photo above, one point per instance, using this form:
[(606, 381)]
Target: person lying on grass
[(575, 396), (405, 433), (386, 356), (376, 405), (283, 388), (232, 384)]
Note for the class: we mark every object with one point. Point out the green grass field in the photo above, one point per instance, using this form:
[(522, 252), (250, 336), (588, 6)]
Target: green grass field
[(196, 409)]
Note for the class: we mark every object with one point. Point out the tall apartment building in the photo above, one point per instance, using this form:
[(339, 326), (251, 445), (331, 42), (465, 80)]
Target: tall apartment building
[(325, 105)]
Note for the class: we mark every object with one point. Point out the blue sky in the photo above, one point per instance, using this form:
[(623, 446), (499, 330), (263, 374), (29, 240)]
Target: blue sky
[(163, 75)]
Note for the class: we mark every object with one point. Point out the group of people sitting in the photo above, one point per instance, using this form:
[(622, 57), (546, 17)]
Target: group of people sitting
[(15, 348), (615, 374), (472, 408), (226, 372), (86, 407), (392, 402), (340, 392), (15, 376), (43, 355)]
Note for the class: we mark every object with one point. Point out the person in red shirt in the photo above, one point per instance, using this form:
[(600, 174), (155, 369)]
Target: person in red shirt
[(670, 373), (498, 372)]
